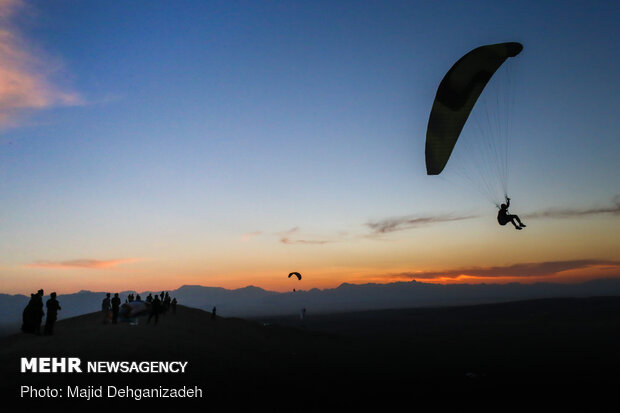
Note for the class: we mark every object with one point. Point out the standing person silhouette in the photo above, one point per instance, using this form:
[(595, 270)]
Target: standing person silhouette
[(503, 217), (166, 303), (38, 311), (155, 309), (52, 314), (106, 306), (116, 304), (32, 313)]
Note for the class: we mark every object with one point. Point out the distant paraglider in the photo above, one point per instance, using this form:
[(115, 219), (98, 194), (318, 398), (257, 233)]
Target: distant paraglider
[(296, 274), (303, 311)]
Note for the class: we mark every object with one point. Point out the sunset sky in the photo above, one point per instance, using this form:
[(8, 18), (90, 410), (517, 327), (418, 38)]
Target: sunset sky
[(145, 145)]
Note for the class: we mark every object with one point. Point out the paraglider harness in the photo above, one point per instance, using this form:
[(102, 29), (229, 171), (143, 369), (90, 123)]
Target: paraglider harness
[(502, 215)]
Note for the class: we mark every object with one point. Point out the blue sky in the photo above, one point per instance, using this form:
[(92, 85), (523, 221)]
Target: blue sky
[(192, 137)]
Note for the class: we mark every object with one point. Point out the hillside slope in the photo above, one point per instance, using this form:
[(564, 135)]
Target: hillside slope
[(528, 349)]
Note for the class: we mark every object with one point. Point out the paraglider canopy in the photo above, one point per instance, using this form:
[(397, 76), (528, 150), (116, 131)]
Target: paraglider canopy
[(298, 275), (456, 95)]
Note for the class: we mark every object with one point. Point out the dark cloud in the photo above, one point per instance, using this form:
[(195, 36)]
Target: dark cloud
[(403, 223), (532, 269), (613, 209)]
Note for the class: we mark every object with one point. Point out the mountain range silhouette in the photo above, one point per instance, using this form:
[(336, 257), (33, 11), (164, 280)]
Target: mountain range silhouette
[(253, 302)]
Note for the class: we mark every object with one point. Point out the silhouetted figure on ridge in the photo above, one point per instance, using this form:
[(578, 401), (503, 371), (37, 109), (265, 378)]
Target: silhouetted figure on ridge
[(166, 303), (116, 305), (33, 313), (503, 217), (38, 311), (155, 309), (52, 314), (27, 321), (213, 313), (106, 306), (130, 298), (138, 298), (149, 298), (173, 304)]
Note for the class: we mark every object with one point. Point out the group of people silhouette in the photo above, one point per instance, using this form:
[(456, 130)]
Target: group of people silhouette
[(157, 304), (33, 314), (111, 308)]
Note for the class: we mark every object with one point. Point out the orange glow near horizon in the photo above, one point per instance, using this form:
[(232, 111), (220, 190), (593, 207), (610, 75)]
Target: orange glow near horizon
[(110, 279)]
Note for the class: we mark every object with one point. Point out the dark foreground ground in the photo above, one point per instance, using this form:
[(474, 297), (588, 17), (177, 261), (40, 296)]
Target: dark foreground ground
[(543, 352)]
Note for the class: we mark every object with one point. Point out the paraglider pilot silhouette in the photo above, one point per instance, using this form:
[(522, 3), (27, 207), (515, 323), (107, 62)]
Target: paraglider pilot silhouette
[(503, 217), (456, 97)]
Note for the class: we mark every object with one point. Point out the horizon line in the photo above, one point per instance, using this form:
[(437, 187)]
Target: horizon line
[(573, 282)]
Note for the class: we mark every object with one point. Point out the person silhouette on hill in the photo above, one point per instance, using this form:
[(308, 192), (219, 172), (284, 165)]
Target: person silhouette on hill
[(27, 319), (33, 313), (149, 298), (166, 303), (116, 305), (38, 311), (173, 305), (213, 313), (52, 313), (503, 217), (155, 309), (106, 306)]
